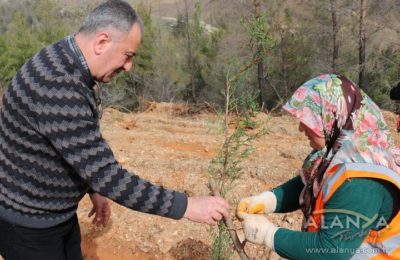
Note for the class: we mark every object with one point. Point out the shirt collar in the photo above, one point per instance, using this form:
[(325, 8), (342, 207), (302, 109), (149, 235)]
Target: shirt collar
[(77, 51)]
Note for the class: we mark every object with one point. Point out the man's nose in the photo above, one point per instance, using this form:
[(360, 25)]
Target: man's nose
[(128, 65)]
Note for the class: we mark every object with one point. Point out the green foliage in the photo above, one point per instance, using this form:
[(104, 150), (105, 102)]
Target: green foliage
[(19, 44), (200, 50), (144, 61), (221, 243), (261, 40), (226, 167), (28, 30), (384, 74), (290, 59), (242, 96), (162, 70), (294, 41)]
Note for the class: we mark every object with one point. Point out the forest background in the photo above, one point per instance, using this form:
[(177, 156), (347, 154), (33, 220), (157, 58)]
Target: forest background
[(191, 47)]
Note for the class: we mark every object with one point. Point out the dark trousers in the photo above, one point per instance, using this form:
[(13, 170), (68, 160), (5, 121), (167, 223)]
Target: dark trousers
[(61, 242)]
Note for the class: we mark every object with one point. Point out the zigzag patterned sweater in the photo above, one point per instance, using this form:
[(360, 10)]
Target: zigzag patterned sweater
[(52, 152)]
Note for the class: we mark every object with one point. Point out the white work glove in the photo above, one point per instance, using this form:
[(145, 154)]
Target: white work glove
[(258, 229), (262, 203)]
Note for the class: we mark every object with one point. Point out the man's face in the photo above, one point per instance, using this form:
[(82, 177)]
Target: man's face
[(118, 55)]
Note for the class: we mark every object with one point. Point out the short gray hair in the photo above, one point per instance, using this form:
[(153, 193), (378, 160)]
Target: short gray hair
[(115, 14)]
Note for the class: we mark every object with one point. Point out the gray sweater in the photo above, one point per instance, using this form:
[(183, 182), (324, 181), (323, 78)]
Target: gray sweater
[(52, 152)]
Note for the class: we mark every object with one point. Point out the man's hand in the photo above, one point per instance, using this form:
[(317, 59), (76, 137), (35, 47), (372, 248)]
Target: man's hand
[(101, 209), (258, 229), (260, 204), (206, 209)]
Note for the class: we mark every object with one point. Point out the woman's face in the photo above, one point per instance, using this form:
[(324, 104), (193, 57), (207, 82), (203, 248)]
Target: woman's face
[(316, 142)]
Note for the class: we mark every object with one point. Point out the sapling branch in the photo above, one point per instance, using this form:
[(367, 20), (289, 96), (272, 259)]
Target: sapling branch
[(239, 247)]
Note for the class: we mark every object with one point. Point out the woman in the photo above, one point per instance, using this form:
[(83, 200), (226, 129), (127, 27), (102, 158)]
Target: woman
[(348, 188)]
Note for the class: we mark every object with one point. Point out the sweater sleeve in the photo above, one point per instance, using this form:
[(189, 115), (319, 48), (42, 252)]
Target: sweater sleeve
[(340, 235), (66, 119), (287, 195)]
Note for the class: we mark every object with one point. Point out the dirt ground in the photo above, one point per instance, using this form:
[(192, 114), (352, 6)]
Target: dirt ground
[(172, 149)]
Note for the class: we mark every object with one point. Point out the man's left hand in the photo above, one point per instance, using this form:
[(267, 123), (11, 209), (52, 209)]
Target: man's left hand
[(101, 209)]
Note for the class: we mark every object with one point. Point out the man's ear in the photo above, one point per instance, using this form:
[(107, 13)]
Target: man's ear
[(102, 41)]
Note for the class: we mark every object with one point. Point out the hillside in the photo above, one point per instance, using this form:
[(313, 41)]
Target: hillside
[(297, 34), (172, 149)]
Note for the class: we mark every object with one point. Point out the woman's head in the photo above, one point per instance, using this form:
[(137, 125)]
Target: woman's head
[(320, 106), (333, 108)]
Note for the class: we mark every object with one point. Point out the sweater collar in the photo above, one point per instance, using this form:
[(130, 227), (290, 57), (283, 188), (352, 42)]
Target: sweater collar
[(80, 59)]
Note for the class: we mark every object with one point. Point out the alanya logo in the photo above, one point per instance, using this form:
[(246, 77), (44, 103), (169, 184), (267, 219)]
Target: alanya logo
[(347, 221)]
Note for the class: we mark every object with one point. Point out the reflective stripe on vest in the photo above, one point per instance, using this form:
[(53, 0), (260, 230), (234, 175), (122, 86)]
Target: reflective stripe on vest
[(378, 245), (356, 170), (378, 250)]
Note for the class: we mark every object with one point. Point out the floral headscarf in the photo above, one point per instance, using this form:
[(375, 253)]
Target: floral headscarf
[(353, 126)]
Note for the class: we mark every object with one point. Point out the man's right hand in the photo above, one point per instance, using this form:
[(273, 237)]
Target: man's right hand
[(262, 203), (206, 209)]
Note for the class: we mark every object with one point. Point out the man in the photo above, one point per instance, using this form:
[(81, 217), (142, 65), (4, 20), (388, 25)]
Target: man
[(52, 152)]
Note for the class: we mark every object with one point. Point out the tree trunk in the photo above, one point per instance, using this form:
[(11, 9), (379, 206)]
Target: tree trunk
[(260, 65), (335, 29), (362, 40), (261, 85), (284, 66), (190, 52)]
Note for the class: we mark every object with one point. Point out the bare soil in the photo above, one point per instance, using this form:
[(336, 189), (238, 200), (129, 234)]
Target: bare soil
[(171, 148)]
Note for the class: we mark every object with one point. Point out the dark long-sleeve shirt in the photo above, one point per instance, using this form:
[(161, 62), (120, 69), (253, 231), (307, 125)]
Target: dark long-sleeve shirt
[(52, 152)]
